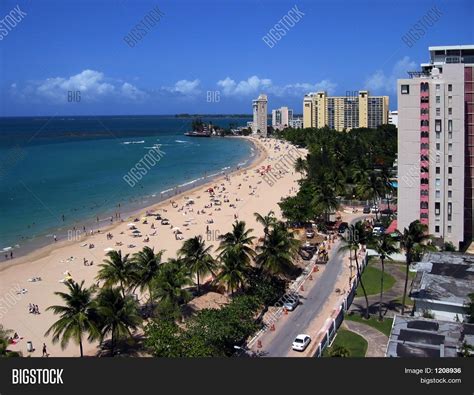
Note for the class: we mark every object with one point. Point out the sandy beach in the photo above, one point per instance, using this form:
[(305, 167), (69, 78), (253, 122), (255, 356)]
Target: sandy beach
[(239, 195)]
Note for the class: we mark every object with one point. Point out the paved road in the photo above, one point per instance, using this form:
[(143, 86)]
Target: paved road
[(377, 341), (301, 317), (279, 344)]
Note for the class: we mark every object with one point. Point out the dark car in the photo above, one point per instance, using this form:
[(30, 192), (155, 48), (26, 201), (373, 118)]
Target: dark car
[(366, 210), (305, 254), (343, 227)]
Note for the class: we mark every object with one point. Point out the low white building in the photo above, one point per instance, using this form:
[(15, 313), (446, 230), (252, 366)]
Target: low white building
[(393, 118)]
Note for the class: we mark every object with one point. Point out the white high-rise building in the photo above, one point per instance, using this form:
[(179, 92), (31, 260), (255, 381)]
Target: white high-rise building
[(436, 145), (259, 124), (393, 118), (282, 117)]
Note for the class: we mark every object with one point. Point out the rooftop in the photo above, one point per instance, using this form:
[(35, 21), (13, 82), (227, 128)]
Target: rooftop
[(422, 337), (444, 277)]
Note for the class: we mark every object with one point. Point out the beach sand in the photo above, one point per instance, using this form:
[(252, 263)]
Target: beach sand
[(246, 190)]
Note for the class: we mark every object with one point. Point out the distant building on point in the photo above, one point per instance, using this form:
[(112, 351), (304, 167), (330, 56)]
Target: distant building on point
[(259, 124), (355, 110)]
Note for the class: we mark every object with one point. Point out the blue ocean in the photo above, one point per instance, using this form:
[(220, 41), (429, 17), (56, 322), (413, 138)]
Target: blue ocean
[(57, 173)]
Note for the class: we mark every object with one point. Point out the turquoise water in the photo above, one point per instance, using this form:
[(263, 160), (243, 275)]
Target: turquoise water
[(74, 167)]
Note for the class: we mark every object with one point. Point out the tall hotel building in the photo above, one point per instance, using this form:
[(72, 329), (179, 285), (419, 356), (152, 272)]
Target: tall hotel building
[(436, 145), (260, 115), (358, 110), (282, 117)]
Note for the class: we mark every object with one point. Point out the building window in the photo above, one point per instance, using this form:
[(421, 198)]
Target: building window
[(450, 170), (438, 182), (450, 211), (437, 228), (450, 147), (450, 100), (450, 181), (450, 111), (438, 112), (437, 208), (437, 125), (438, 170), (438, 86), (450, 158), (438, 99), (438, 135), (449, 228), (450, 194), (438, 146), (405, 89), (450, 87), (450, 125), (438, 194)]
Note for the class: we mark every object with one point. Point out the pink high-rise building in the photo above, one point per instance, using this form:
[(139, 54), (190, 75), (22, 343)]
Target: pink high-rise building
[(436, 144)]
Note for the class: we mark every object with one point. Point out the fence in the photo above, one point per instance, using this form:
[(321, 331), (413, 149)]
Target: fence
[(332, 324)]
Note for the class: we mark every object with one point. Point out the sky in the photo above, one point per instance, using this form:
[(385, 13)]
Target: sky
[(210, 57)]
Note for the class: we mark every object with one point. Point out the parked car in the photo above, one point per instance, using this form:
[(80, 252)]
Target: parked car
[(301, 342), (165, 221), (290, 301), (305, 254), (309, 233), (343, 227), (366, 210)]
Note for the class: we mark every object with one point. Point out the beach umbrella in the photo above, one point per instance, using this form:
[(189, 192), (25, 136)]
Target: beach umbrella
[(108, 249), (135, 231), (175, 229)]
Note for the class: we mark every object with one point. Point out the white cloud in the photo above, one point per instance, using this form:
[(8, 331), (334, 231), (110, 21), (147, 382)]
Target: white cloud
[(254, 85), (381, 82), (185, 87), (92, 84)]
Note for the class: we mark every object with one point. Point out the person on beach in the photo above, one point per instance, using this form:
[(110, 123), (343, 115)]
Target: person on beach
[(55, 238), (11, 254), (45, 351)]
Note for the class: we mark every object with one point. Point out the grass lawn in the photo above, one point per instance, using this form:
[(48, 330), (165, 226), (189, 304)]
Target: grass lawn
[(383, 326), (356, 344), (371, 280)]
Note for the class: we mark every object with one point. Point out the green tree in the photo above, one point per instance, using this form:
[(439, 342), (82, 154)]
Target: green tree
[(233, 273), (340, 352), (146, 268), (239, 240), (78, 316), (168, 286), (267, 221), (5, 335), (384, 245), (197, 258), (116, 270), (118, 315), (275, 255), (413, 241), (470, 309)]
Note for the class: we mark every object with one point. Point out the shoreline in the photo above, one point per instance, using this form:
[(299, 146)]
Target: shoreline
[(239, 195), (36, 251), (45, 250)]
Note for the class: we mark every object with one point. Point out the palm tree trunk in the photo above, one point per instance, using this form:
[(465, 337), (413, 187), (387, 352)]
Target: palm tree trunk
[(359, 276), (80, 348), (381, 288), (198, 288), (406, 284)]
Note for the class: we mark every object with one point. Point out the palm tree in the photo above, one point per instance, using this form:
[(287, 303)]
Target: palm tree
[(301, 165), (78, 316), (351, 244), (240, 240), (385, 246), (267, 221), (413, 240), (116, 270), (146, 268), (275, 255), (197, 258), (5, 335), (324, 200), (168, 285), (234, 271), (118, 315)]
